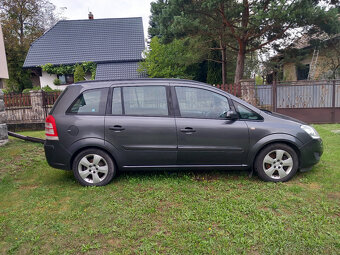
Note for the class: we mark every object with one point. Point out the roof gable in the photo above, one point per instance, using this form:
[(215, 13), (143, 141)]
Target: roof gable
[(98, 40)]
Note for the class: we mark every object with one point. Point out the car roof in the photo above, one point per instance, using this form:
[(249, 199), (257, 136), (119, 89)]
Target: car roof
[(108, 83)]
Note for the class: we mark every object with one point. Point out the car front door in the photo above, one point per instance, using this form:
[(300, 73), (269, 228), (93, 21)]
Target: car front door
[(205, 136), (140, 124)]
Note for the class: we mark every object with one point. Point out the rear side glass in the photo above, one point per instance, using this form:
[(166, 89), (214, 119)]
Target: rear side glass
[(89, 102), (117, 102), (245, 113), (145, 101)]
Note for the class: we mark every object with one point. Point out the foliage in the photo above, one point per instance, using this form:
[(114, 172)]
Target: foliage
[(79, 74), (48, 89), (182, 212), (168, 60), (241, 26), (56, 81), (36, 88), (22, 23), (88, 67)]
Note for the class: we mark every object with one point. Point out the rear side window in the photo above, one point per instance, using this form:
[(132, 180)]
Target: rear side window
[(145, 101), (90, 102), (245, 113)]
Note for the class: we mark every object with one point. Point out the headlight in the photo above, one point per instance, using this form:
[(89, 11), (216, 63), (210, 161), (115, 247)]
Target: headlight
[(311, 131)]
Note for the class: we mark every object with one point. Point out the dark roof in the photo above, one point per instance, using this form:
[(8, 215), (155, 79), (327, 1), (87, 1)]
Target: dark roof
[(98, 40), (118, 71)]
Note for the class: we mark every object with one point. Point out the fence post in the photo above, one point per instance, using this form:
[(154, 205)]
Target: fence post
[(3, 126), (274, 95), (248, 91), (333, 102), (37, 105)]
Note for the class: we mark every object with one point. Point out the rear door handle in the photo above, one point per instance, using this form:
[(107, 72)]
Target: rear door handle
[(117, 128), (188, 130)]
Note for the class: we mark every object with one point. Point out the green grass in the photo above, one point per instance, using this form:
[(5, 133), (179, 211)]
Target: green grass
[(45, 211)]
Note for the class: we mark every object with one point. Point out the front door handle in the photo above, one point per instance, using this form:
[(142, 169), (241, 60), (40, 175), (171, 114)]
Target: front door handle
[(188, 130), (117, 128)]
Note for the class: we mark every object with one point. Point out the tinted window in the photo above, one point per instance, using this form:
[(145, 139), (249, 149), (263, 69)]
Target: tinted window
[(89, 102), (201, 103), (145, 100), (117, 102), (245, 113)]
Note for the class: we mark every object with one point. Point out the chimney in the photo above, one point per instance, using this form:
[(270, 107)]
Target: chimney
[(90, 15)]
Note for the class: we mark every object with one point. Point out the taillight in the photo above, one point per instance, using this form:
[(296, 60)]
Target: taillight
[(51, 128)]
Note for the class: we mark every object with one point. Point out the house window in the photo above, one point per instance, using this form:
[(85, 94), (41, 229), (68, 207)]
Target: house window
[(65, 78), (302, 72)]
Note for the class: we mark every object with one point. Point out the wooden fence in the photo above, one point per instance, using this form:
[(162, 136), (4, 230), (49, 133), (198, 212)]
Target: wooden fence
[(23, 100), (31, 107)]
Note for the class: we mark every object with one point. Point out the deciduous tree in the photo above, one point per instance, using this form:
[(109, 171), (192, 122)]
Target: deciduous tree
[(23, 21)]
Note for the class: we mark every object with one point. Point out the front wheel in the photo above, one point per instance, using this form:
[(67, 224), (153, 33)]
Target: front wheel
[(276, 163), (93, 167)]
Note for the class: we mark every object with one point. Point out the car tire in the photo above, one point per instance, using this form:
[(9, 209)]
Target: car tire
[(276, 163), (93, 167)]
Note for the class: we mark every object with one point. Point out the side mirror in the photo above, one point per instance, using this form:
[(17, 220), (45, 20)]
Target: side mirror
[(231, 115)]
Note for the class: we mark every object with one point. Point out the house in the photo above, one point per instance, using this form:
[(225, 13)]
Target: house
[(3, 62), (315, 57), (114, 44)]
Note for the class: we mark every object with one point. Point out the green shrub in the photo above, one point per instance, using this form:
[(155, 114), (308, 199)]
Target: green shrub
[(56, 81), (79, 74), (30, 89), (47, 89)]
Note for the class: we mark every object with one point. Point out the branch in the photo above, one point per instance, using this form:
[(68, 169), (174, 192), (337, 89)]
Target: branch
[(271, 40), (213, 60)]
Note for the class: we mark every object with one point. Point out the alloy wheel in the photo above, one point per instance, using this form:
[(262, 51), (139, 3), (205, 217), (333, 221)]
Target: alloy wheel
[(277, 164), (93, 168)]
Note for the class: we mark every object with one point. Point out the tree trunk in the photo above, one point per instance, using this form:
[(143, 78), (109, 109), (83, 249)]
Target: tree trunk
[(223, 67), (240, 65)]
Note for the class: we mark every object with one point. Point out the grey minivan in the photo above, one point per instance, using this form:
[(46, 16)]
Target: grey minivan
[(99, 127)]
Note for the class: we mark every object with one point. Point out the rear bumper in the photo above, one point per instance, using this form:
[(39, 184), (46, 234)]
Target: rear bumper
[(57, 156), (310, 154)]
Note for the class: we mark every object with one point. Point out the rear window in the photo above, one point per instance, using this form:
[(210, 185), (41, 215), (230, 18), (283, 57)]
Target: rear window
[(90, 102), (58, 99)]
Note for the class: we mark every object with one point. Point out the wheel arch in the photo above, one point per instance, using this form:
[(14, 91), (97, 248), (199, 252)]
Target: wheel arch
[(289, 140), (93, 143)]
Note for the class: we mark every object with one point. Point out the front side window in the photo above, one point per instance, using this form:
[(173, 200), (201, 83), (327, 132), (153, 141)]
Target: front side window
[(201, 103), (145, 101), (89, 102), (245, 113)]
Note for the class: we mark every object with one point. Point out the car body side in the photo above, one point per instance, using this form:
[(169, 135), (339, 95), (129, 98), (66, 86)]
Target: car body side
[(72, 140)]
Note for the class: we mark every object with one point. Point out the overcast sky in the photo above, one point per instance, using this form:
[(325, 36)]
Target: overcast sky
[(78, 9)]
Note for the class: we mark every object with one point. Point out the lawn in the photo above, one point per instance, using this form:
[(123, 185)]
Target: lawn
[(45, 211)]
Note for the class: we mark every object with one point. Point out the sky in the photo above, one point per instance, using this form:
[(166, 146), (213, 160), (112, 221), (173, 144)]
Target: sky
[(79, 9)]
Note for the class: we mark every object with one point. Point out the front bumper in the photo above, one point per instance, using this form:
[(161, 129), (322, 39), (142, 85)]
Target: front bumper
[(310, 154), (56, 155)]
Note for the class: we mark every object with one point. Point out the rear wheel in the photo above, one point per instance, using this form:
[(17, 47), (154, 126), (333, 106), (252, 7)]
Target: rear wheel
[(93, 167), (277, 163)]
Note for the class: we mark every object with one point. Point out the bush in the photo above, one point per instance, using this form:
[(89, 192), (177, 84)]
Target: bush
[(29, 89), (47, 89), (56, 81), (79, 74)]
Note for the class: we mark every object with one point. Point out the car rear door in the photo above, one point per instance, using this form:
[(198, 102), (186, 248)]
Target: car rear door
[(204, 136), (141, 125)]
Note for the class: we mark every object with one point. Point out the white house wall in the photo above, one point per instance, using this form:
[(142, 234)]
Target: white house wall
[(3, 62), (47, 79)]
